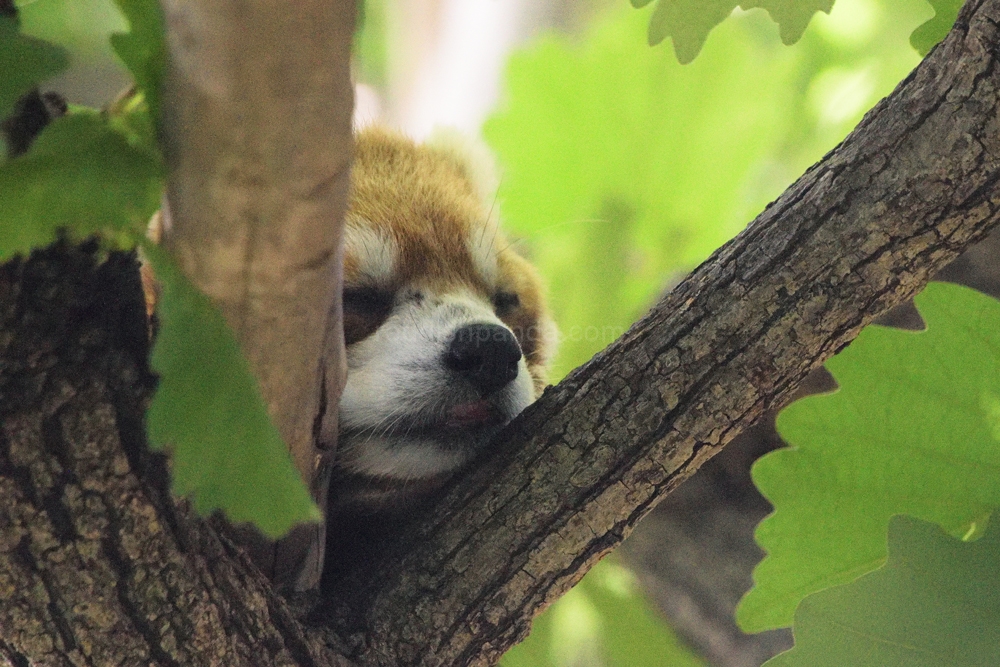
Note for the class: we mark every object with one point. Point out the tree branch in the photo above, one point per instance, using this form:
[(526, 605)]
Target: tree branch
[(861, 231), (97, 566), (257, 132)]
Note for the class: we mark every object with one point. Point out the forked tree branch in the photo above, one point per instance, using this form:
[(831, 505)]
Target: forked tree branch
[(860, 232), (97, 567)]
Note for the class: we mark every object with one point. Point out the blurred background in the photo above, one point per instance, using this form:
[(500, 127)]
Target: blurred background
[(620, 170)]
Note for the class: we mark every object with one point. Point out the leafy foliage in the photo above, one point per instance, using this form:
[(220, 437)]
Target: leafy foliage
[(612, 150), (81, 26), (143, 49), (935, 602), (25, 62), (635, 170), (209, 413), (101, 174), (129, 115), (911, 430), (623, 169), (929, 34), (82, 177), (688, 22), (603, 620)]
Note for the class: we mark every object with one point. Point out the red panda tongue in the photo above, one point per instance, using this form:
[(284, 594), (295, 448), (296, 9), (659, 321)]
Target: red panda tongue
[(471, 414)]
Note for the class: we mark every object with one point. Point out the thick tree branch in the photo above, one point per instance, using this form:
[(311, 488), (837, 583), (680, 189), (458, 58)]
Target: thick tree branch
[(861, 231), (97, 567), (257, 133)]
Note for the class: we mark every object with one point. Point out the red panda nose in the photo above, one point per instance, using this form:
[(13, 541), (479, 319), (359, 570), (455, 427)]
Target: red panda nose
[(484, 354)]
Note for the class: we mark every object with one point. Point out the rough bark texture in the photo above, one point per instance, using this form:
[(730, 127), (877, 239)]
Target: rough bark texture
[(257, 134), (861, 231), (97, 567), (695, 553)]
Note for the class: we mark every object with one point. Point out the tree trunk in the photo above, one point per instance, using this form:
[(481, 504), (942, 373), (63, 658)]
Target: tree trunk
[(257, 135), (98, 567)]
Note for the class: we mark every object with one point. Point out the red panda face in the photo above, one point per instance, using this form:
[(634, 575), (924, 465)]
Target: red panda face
[(446, 328)]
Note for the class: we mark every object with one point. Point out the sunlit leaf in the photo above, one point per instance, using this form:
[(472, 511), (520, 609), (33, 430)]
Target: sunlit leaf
[(688, 22), (792, 16), (80, 176), (129, 115), (929, 34), (209, 413), (143, 49), (935, 603), (622, 168), (911, 430), (537, 649), (24, 63), (80, 27), (632, 632), (604, 620)]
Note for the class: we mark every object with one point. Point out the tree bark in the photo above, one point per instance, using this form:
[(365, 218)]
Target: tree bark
[(97, 566), (861, 231), (257, 134)]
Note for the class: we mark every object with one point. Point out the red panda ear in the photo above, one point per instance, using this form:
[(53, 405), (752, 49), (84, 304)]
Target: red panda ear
[(471, 156)]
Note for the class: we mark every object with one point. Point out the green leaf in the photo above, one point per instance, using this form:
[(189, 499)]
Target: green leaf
[(933, 31), (209, 413), (613, 150), (935, 603), (143, 49), (603, 620), (623, 169), (792, 16), (632, 633), (370, 47), (24, 62), (911, 430), (129, 115), (688, 22), (80, 176)]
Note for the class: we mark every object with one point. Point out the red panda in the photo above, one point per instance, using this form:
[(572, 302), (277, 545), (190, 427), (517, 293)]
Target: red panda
[(447, 332)]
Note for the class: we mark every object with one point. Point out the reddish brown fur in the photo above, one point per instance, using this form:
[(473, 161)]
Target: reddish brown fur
[(425, 201)]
